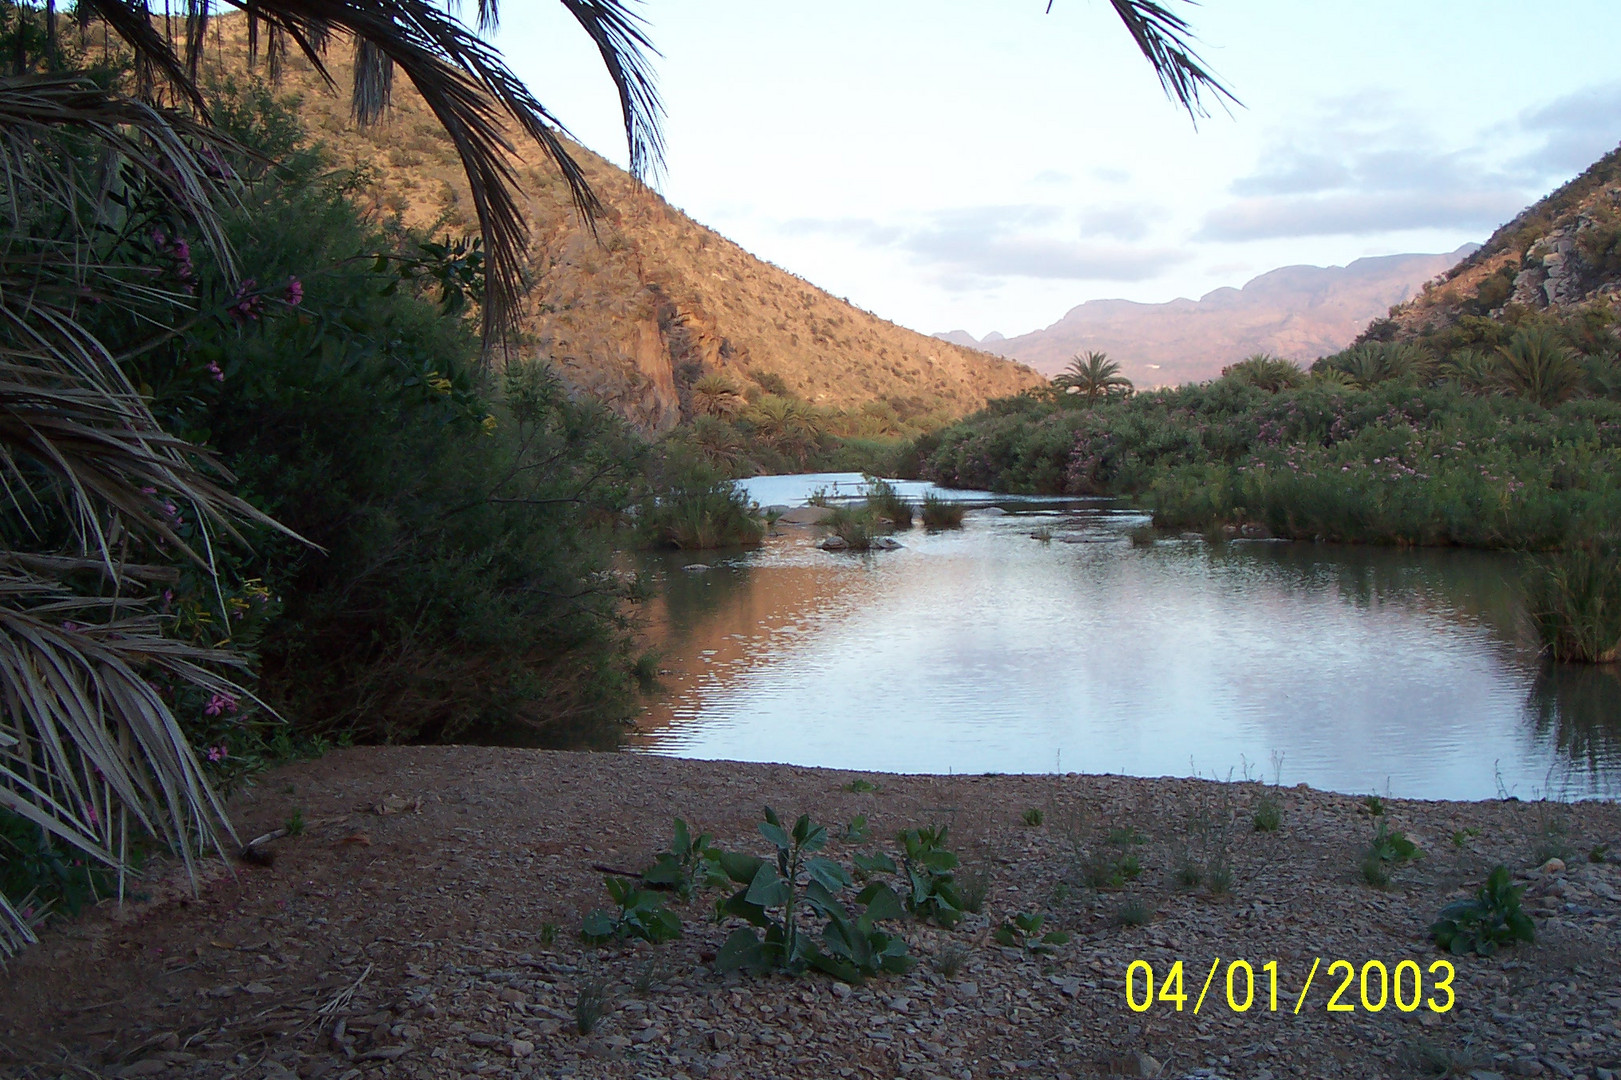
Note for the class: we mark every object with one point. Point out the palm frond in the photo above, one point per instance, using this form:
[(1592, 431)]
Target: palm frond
[(465, 83), (1166, 41)]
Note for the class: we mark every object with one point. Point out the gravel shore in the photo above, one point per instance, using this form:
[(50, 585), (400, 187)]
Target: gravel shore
[(425, 924)]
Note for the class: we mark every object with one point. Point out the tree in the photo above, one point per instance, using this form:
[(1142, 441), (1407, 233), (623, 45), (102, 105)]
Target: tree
[(1093, 376), (1266, 372), (1537, 366)]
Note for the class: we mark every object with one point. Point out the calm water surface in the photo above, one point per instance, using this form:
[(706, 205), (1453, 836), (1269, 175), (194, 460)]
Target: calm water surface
[(1359, 669)]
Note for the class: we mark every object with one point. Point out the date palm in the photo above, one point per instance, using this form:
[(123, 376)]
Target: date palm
[(1093, 376)]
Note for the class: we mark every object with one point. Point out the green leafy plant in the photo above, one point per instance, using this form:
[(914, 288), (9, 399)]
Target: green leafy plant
[(641, 914), (1492, 917), (1461, 837), (1598, 853), (547, 934), (1033, 817), (687, 866), (857, 831), (927, 873), (1024, 932), (1388, 848), (295, 823), (1373, 804), (858, 787), (779, 896)]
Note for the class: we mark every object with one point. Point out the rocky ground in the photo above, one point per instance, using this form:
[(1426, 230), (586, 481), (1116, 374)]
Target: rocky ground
[(425, 924)]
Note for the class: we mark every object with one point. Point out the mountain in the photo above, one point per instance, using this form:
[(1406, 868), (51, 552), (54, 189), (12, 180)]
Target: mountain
[(654, 300), (1559, 254), (1299, 312)]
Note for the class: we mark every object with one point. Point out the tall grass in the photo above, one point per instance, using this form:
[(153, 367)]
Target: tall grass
[(941, 513), (885, 503), (1574, 598)]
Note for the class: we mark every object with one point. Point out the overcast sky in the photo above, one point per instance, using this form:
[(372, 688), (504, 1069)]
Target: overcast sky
[(979, 164)]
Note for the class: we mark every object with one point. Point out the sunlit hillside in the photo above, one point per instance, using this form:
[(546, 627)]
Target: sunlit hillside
[(640, 311)]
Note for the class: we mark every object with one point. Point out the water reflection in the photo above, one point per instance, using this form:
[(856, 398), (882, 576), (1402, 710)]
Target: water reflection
[(1368, 669)]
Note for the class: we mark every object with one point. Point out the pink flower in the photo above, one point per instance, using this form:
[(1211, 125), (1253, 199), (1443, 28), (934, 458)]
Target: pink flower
[(217, 753), (220, 704), (295, 291), (244, 307), (214, 370)]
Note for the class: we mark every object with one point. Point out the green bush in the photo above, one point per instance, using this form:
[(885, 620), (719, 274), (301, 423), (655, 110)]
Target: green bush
[(941, 513), (1492, 917)]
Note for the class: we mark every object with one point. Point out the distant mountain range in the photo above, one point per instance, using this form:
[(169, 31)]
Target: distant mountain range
[(1298, 312)]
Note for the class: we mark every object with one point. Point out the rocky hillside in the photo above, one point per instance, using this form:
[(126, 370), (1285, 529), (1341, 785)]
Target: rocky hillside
[(1299, 312), (1560, 253), (640, 311)]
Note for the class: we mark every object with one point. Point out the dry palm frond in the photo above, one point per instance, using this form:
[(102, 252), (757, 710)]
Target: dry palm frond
[(88, 747), (89, 750)]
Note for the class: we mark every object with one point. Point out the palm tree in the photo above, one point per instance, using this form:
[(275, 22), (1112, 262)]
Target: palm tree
[(717, 395), (1093, 376), (1537, 366), (1267, 372)]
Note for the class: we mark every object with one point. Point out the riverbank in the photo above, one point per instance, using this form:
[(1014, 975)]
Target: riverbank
[(425, 923)]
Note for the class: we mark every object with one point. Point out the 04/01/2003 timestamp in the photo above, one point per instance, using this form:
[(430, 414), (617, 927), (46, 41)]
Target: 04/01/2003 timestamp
[(1369, 987)]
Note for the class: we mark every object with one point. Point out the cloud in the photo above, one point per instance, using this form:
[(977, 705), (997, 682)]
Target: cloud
[(1575, 130), (977, 247), (1358, 213), (1341, 175)]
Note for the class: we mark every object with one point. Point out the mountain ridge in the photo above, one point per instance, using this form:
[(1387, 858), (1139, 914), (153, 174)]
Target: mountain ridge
[(1297, 311)]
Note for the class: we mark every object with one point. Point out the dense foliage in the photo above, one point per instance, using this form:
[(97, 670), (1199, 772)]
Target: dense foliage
[(1404, 459)]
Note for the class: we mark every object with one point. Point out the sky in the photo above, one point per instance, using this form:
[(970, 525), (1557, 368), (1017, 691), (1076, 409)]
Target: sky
[(987, 165)]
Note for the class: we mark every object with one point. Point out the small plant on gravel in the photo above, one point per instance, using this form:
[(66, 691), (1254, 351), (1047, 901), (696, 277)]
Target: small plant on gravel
[(1023, 932), (1598, 853), (593, 1001), (949, 960), (779, 895), (1373, 804), (1134, 912), (1553, 835), (1033, 817), (1219, 878), (926, 872), (295, 823), (641, 914), (548, 934), (650, 976), (1268, 815), (1426, 1059), (858, 787), (1189, 874), (974, 886), (1042, 533), (857, 831), (687, 867), (1461, 837), (1490, 918), (1388, 848)]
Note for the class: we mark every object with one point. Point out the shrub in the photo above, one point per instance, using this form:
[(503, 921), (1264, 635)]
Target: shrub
[(886, 505), (641, 914), (1268, 815), (857, 526), (1492, 917), (941, 513)]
